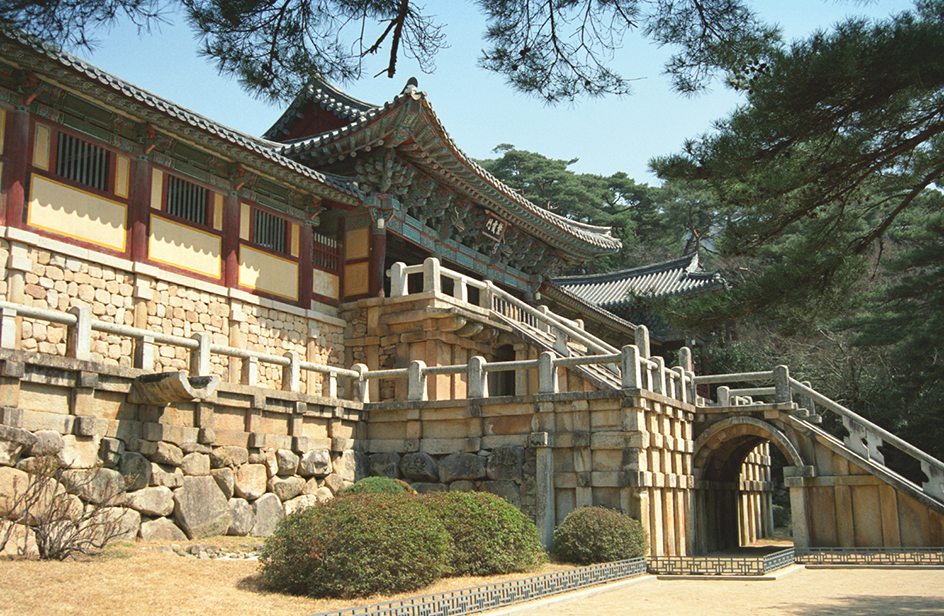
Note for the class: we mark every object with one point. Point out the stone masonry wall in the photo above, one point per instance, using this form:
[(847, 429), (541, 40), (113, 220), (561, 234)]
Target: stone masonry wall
[(132, 295)]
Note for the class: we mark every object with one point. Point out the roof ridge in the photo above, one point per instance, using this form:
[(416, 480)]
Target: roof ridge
[(627, 273)]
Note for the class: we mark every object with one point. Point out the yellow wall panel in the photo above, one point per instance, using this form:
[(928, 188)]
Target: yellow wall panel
[(217, 211), (70, 212), (157, 188), (295, 240), (3, 129), (122, 176), (185, 247), (245, 211), (264, 272), (357, 243), (325, 284), (356, 279), (41, 147)]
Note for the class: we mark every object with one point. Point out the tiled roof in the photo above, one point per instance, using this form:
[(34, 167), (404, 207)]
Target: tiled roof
[(466, 173), (619, 290), (329, 98), (262, 147)]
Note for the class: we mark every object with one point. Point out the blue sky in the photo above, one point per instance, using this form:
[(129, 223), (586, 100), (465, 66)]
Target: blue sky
[(477, 108)]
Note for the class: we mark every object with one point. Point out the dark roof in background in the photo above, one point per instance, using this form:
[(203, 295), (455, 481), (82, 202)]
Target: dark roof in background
[(620, 290)]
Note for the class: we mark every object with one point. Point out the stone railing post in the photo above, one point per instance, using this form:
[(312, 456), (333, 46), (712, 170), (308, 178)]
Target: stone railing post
[(329, 387), (398, 282), (79, 336), (560, 342), (782, 384), (8, 332), (543, 324), (485, 295), (629, 367), (478, 383), (416, 379), (724, 396), (144, 353), (547, 373), (249, 371), (680, 393), (292, 373), (432, 275), (658, 383), (642, 340), (461, 290), (360, 386), (685, 359), (200, 356)]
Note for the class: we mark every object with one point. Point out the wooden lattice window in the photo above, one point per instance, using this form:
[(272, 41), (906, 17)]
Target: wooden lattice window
[(269, 231), (326, 252), (187, 200), (82, 162)]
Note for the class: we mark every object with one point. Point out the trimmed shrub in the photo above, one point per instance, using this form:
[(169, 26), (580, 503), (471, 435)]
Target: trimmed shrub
[(598, 535), (490, 535), (377, 485), (356, 546)]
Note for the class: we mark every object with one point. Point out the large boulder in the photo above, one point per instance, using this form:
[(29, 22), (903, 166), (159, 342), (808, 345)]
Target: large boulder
[(229, 455), (286, 463), (419, 466), (116, 524), (200, 509), (195, 464), (94, 485), (161, 529), (458, 466), (286, 488), (136, 469), (154, 502), (250, 481), (505, 464), (299, 503), (243, 517), (48, 443), (80, 451), (226, 479), (167, 476), (13, 443), (506, 489), (268, 513), (316, 462), (385, 464), (351, 466)]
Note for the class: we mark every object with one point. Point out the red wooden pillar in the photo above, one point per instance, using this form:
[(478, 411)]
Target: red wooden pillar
[(140, 207), (378, 256), (231, 226), (14, 177), (305, 275)]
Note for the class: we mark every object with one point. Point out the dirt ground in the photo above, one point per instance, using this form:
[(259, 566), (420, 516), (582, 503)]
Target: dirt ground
[(139, 580)]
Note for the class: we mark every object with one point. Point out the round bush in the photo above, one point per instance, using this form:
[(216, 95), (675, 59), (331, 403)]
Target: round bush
[(377, 485), (598, 535), (356, 546), (490, 536)]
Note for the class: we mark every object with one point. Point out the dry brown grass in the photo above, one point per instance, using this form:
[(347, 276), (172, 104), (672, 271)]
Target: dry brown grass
[(137, 580)]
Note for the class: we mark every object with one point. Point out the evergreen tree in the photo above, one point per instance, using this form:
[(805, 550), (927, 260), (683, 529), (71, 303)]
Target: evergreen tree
[(553, 50)]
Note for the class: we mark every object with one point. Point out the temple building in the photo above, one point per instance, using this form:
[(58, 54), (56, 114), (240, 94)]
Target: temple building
[(250, 324)]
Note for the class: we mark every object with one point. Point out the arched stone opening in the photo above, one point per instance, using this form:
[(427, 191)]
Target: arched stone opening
[(732, 501)]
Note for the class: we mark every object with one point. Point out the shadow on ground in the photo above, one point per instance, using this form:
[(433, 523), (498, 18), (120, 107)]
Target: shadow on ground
[(870, 606)]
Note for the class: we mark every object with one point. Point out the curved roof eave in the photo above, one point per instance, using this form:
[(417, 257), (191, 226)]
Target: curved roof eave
[(345, 190), (582, 239)]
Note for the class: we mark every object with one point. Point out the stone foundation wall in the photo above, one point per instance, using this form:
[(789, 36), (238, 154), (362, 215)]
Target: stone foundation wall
[(234, 463)]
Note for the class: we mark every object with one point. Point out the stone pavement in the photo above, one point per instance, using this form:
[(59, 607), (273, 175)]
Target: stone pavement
[(799, 590)]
